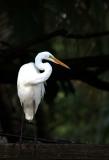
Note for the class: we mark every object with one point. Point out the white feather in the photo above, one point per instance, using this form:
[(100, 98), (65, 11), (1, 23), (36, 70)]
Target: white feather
[(30, 94), (30, 84)]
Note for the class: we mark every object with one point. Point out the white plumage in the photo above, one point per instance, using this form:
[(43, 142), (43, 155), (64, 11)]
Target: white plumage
[(30, 94), (30, 82)]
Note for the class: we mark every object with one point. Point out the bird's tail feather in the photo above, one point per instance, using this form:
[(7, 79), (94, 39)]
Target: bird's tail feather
[(29, 110)]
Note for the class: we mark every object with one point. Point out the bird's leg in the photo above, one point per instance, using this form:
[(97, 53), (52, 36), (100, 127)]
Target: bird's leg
[(35, 130), (21, 132), (35, 136)]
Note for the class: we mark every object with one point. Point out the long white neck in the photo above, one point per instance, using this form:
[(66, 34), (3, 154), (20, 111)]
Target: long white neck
[(45, 67)]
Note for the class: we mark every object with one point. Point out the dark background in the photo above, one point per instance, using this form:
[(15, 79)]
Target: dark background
[(76, 103)]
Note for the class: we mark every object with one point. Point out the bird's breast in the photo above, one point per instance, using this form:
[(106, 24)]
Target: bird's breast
[(25, 92)]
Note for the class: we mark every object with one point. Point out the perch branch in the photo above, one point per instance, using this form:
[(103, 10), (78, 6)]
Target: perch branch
[(17, 51)]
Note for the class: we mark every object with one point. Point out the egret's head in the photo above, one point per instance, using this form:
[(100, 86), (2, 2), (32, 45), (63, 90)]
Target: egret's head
[(48, 56)]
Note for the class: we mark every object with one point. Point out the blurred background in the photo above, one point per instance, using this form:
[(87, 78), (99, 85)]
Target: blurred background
[(71, 109)]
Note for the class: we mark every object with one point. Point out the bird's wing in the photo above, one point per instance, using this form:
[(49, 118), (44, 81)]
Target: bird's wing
[(28, 75)]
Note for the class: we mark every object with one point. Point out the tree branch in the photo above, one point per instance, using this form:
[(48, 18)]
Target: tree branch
[(85, 69), (66, 34), (21, 50)]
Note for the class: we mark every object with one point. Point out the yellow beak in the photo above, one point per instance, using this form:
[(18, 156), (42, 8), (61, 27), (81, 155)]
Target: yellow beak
[(57, 61)]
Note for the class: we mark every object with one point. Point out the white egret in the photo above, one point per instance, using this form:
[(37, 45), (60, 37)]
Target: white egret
[(30, 82)]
